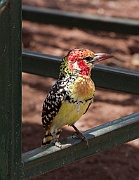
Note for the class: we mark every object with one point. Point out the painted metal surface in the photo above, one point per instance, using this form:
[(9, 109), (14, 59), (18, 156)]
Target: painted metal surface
[(87, 21), (100, 138), (10, 90)]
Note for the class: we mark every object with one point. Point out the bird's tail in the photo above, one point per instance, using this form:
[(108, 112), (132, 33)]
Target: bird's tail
[(48, 138)]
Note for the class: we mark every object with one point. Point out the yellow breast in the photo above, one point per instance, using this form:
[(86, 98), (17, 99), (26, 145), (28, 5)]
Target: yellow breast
[(68, 114), (82, 92)]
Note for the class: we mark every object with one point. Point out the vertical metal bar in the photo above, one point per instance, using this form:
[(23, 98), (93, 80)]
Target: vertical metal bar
[(10, 89)]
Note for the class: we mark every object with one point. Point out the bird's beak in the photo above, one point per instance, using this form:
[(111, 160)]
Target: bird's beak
[(100, 57)]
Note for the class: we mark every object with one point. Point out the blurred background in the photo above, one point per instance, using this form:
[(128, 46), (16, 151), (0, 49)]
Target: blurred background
[(122, 162)]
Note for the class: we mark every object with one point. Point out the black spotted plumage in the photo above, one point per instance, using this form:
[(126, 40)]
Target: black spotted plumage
[(54, 99), (52, 103)]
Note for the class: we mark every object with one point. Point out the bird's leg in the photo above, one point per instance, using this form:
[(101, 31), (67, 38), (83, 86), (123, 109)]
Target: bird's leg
[(80, 135), (56, 141)]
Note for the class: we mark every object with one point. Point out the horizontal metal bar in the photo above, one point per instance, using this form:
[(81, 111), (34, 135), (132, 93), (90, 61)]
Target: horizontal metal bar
[(116, 79), (40, 64), (87, 21), (103, 137), (103, 76)]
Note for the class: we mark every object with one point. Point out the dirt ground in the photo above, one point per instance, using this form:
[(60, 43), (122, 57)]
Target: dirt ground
[(122, 162)]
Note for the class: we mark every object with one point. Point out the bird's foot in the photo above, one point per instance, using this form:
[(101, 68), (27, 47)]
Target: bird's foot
[(56, 142), (61, 146), (80, 135)]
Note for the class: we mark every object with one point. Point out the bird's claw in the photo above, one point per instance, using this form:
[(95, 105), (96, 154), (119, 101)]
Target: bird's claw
[(81, 136), (62, 146), (58, 144)]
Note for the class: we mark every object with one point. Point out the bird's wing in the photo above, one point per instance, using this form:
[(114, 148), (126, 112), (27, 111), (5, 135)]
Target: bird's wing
[(53, 103)]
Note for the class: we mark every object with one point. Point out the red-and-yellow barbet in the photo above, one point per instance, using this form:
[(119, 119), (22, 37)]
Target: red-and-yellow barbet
[(71, 95)]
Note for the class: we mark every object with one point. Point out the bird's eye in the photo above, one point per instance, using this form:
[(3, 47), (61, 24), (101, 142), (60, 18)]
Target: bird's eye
[(88, 58)]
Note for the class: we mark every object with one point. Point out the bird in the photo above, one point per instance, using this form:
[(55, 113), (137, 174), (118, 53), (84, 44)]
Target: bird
[(72, 94)]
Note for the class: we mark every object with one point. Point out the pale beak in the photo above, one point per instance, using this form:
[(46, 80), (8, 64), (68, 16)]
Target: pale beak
[(100, 57)]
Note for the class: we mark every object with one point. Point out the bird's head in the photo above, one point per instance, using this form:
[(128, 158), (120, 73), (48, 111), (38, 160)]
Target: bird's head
[(81, 61)]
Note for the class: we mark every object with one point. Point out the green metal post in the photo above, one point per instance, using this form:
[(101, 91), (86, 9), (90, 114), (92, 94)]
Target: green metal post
[(10, 90)]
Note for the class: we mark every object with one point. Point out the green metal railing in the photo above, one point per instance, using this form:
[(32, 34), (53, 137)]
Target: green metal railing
[(13, 164), (71, 19), (10, 90), (113, 78)]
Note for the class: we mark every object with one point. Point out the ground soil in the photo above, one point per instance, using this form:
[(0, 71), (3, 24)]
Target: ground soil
[(122, 162)]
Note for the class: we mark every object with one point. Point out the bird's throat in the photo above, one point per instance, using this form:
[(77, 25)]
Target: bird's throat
[(83, 88)]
